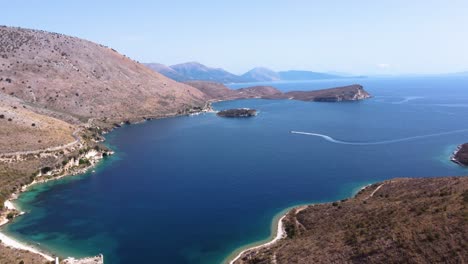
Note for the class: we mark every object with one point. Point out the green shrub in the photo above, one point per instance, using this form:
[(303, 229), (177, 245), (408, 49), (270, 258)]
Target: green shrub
[(10, 216), (84, 161)]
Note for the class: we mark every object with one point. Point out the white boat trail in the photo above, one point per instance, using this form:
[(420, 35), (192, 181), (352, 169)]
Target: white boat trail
[(356, 143)]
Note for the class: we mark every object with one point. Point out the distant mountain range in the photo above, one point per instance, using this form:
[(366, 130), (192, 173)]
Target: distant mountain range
[(194, 71)]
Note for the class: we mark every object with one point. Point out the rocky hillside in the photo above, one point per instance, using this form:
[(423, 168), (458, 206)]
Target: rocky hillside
[(166, 71), (24, 128), (461, 155), (402, 220), (84, 79)]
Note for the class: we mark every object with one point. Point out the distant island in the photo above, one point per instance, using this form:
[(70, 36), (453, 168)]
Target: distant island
[(399, 221), (239, 112), (460, 156), (194, 71)]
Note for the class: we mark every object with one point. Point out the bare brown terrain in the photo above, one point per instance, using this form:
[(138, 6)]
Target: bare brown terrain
[(14, 256), (420, 220), (84, 79), (22, 129)]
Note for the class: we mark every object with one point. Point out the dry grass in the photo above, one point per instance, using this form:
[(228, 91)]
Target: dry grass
[(406, 221), (14, 256)]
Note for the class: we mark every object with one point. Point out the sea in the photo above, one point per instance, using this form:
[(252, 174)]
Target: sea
[(197, 189)]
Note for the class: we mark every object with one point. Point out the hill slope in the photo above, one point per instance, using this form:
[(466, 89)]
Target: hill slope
[(197, 71), (397, 221), (166, 71), (85, 79)]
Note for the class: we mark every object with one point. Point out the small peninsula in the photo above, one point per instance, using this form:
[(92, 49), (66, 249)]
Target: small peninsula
[(420, 220), (460, 156), (219, 92), (240, 112)]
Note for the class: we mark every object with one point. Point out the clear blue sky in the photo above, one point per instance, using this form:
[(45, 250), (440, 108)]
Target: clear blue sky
[(359, 36)]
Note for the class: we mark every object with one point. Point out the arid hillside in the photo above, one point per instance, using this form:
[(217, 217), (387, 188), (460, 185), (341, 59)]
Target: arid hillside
[(398, 221), (24, 129), (84, 79)]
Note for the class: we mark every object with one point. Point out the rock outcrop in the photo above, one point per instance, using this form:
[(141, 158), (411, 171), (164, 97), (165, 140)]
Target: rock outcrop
[(460, 156), (346, 93)]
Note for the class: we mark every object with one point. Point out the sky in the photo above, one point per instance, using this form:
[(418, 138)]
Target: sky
[(357, 37)]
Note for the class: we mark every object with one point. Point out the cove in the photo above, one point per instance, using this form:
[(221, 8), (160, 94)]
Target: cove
[(193, 189)]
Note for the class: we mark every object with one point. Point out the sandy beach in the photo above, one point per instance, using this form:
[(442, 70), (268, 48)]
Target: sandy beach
[(9, 205), (279, 235), (10, 242)]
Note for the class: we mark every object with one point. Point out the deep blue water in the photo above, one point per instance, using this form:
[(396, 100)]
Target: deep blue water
[(193, 189)]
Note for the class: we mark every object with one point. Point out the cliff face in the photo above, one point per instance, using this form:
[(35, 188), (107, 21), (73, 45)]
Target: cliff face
[(461, 155), (84, 79), (401, 221)]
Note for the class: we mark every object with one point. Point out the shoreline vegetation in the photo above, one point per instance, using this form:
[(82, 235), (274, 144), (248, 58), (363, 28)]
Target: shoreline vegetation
[(87, 160), (278, 231), (414, 203)]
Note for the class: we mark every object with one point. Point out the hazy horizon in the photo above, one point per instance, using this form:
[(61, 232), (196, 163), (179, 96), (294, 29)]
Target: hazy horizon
[(362, 37)]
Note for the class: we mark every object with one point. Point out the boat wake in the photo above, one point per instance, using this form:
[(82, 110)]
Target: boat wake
[(357, 143)]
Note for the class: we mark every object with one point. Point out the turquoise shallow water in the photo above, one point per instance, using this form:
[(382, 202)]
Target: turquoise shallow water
[(194, 189)]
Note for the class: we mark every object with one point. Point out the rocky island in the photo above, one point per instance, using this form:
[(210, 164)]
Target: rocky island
[(240, 112), (402, 221), (460, 156), (353, 92)]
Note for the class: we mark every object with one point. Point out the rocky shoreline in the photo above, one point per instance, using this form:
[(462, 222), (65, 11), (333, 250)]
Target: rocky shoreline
[(86, 160), (73, 167), (460, 155)]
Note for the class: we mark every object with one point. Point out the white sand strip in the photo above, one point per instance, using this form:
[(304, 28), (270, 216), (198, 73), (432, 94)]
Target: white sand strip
[(279, 235), (9, 205), (15, 244)]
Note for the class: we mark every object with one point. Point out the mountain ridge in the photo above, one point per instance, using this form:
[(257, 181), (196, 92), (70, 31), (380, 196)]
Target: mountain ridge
[(195, 71)]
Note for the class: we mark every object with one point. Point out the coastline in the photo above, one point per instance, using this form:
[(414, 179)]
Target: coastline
[(277, 229), (453, 157), (276, 233), (10, 241)]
